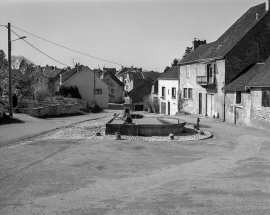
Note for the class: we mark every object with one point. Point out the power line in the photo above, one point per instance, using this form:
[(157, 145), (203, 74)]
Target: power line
[(70, 48), (39, 50)]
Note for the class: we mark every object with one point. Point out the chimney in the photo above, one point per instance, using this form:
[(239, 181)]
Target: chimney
[(197, 43), (267, 5)]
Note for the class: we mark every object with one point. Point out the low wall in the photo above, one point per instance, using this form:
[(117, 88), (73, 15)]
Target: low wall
[(50, 110), (145, 129)]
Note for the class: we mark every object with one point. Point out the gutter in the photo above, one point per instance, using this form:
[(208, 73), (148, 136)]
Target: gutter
[(202, 60)]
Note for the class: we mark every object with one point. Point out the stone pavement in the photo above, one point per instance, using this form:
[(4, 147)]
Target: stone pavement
[(31, 126)]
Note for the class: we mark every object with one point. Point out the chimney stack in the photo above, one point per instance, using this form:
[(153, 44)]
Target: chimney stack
[(267, 5), (197, 43)]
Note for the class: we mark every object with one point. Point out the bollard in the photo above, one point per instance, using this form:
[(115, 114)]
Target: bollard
[(117, 136), (198, 122), (171, 136)]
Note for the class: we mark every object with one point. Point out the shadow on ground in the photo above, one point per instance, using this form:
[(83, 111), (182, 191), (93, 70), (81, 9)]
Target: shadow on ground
[(8, 120), (62, 115)]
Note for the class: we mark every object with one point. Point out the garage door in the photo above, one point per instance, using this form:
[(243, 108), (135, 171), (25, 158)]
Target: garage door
[(138, 107), (163, 107)]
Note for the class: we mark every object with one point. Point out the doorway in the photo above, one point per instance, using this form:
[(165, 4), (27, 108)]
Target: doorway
[(163, 107), (200, 103), (210, 105), (169, 108)]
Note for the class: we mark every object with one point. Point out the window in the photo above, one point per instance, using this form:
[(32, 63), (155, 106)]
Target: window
[(168, 92), (266, 98), (112, 91), (188, 93), (98, 91), (173, 92), (210, 73), (185, 93), (188, 72), (163, 92), (238, 97)]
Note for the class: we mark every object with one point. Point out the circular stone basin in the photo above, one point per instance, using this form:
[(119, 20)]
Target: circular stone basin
[(146, 126)]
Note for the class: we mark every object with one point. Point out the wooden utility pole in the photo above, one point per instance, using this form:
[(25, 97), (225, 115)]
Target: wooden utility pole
[(9, 70)]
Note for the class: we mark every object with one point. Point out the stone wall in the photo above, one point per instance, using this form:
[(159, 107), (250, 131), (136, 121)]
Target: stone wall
[(260, 116), (231, 107), (50, 110)]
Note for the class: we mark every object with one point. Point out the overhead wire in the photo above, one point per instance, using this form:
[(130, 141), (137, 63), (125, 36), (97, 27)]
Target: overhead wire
[(39, 49), (70, 48)]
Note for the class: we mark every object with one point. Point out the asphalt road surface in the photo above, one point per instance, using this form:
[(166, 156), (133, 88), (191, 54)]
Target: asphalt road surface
[(227, 174)]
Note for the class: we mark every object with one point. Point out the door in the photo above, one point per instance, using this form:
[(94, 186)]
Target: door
[(163, 107), (200, 103), (238, 116), (210, 105), (169, 108)]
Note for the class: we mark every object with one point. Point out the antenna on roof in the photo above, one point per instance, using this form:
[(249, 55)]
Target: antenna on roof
[(73, 60)]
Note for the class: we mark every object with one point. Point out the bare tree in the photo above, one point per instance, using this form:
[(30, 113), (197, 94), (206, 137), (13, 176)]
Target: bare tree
[(21, 63)]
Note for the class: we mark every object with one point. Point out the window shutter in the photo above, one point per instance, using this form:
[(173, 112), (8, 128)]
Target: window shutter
[(265, 100), (190, 93)]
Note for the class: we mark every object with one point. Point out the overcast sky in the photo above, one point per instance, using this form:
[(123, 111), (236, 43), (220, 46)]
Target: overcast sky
[(147, 34)]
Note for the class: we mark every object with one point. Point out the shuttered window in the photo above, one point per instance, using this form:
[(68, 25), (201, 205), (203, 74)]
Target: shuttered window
[(266, 98), (163, 91), (188, 93)]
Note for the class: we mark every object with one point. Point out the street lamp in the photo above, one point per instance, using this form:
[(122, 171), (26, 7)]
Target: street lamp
[(9, 70)]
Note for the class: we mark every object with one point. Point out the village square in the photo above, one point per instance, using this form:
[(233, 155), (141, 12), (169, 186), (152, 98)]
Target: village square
[(191, 138)]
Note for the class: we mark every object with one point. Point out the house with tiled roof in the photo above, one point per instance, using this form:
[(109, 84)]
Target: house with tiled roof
[(210, 67), (132, 77), (247, 97), (116, 87), (90, 86), (168, 87), (139, 93)]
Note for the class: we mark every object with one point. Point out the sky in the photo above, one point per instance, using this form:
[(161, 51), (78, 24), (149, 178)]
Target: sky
[(146, 34)]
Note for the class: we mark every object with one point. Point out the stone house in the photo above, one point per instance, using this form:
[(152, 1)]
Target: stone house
[(168, 87), (90, 86), (247, 97), (209, 67), (116, 87), (132, 77), (138, 94)]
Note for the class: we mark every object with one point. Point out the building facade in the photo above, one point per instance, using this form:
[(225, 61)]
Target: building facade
[(90, 86), (210, 67), (168, 89)]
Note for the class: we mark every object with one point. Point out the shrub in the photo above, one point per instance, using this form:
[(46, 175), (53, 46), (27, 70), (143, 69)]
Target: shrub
[(70, 91), (40, 94), (96, 109)]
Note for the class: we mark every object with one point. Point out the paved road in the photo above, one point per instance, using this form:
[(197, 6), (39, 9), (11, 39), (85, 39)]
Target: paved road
[(31, 126), (228, 174)]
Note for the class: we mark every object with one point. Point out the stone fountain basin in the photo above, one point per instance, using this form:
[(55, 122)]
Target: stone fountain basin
[(146, 126)]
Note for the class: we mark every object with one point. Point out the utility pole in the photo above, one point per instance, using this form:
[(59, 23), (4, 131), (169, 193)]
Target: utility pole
[(94, 85), (9, 70)]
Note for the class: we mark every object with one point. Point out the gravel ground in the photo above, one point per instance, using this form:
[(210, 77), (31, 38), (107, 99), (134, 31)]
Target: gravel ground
[(89, 129)]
